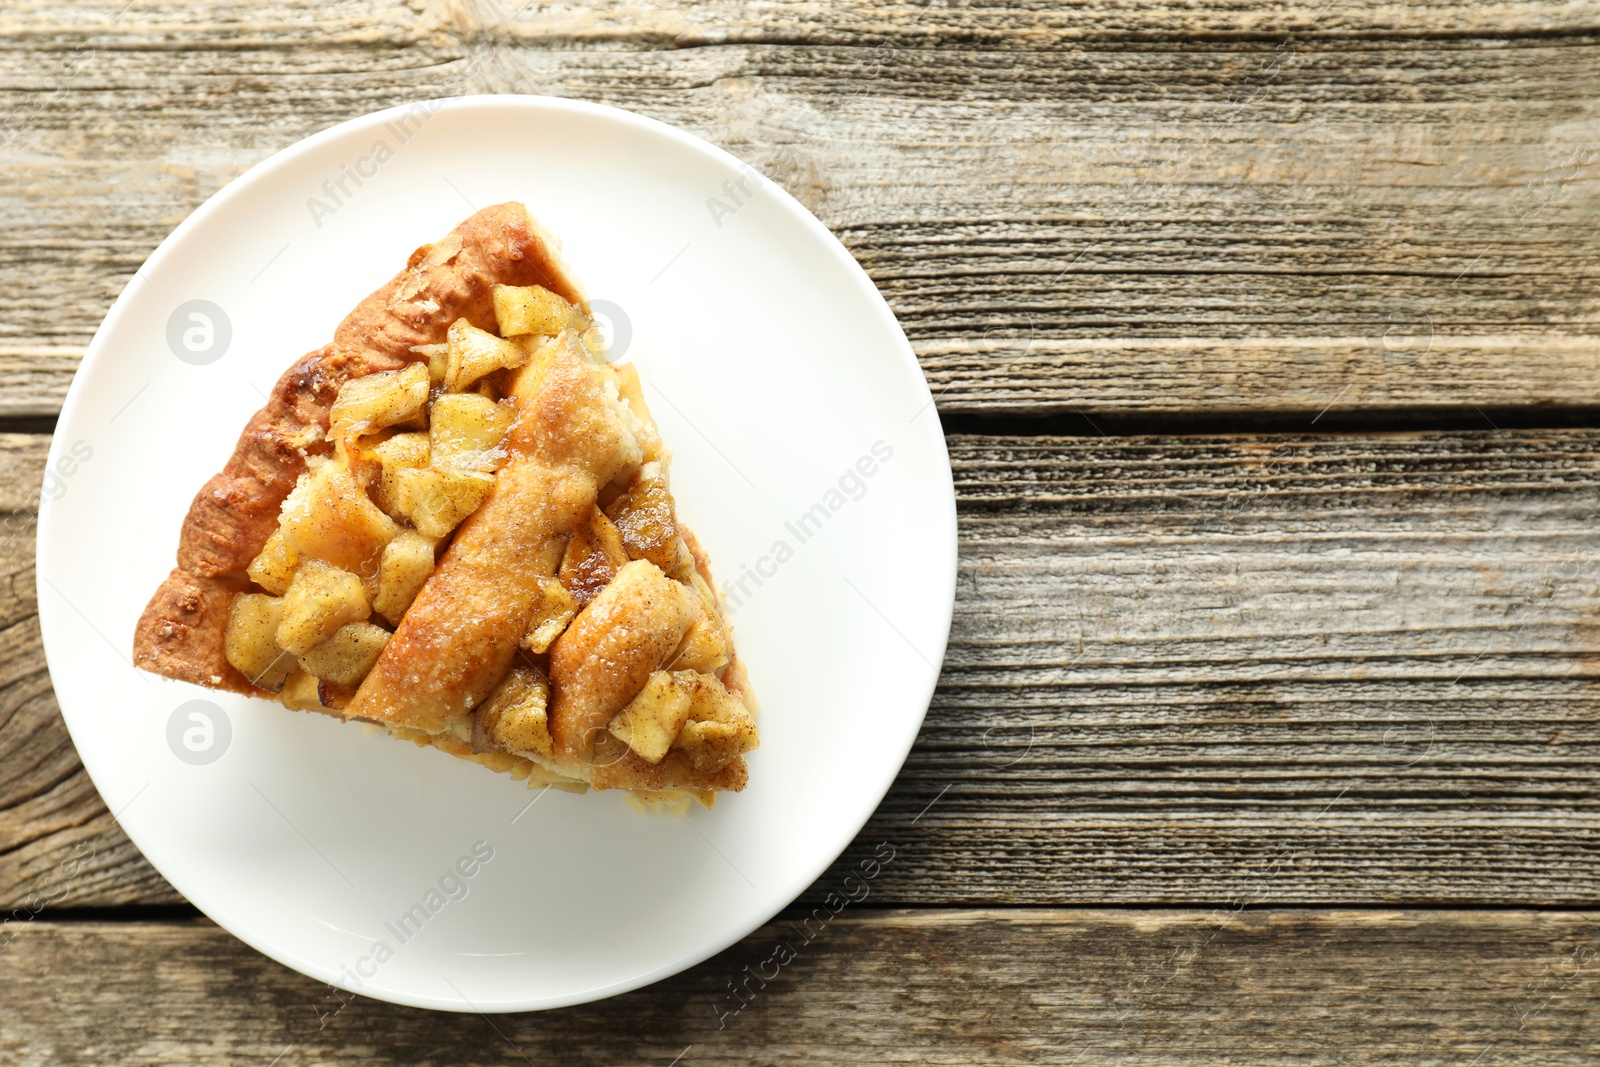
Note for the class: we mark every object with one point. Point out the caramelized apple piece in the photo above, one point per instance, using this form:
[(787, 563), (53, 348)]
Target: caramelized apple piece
[(300, 692), (593, 556), (645, 519), (707, 647), (328, 517), (714, 745), (474, 353), (653, 719), (533, 309), (403, 451), (437, 500), (708, 599), (273, 568), (631, 391), (347, 655), (407, 563), (321, 599), (547, 560), (251, 641), (513, 717), (438, 357), (553, 609), (720, 728), (334, 696), (465, 432), (704, 648), (371, 402)]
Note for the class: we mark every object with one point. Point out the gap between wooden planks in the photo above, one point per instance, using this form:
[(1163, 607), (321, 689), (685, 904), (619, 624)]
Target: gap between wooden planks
[(1267, 669)]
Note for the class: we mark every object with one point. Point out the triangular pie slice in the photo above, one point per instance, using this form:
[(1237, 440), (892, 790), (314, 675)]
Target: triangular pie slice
[(455, 521)]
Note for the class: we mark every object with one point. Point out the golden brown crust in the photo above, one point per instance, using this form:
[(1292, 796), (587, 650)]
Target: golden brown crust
[(675, 771), (181, 631), (621, 768), (456, 640), (438, 664), (606, 654)]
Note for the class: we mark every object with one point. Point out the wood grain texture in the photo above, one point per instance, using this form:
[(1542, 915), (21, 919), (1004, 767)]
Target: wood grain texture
[(1109, 208), (1241, 672), (873, 987), (1029, 24), (51, 817), (1282, 670)]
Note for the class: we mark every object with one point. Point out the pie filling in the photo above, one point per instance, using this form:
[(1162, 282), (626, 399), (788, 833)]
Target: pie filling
[(489, 561)]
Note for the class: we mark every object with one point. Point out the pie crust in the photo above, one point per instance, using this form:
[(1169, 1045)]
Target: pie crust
[(454, 521)]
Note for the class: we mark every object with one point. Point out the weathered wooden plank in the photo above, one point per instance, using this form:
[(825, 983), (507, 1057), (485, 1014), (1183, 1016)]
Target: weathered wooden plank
[(1385, 206), (873, 987), (51, 817), (1273, 669), (1395, 374), (1289, 669), (673, 23)]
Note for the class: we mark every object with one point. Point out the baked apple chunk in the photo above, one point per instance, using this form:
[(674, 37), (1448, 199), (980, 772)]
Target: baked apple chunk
[(456, 521)]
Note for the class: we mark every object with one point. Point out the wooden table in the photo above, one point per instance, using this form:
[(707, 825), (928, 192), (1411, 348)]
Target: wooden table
[(1267, 341)]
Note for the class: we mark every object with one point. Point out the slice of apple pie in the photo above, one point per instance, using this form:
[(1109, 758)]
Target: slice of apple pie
[(455, 521)]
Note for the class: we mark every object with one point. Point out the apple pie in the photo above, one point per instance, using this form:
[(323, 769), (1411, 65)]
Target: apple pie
[(455, 521)]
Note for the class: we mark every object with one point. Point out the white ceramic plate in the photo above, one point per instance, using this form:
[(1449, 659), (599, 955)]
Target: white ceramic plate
[(784, 385)]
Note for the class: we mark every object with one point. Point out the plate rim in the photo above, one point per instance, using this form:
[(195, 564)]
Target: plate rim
[(946, 548)]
